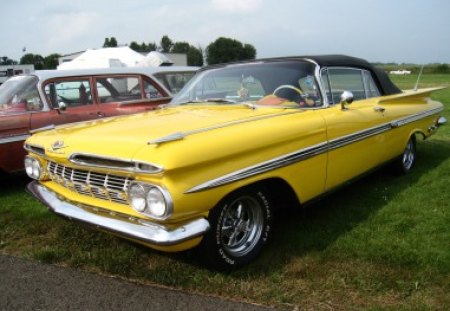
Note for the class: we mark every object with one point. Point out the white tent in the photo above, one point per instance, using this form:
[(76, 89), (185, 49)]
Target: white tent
[(155, 59), (105, 58)]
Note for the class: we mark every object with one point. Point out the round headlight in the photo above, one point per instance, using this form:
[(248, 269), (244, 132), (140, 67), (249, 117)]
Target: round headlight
[(33, 168), (156, 202), (36, 166), (29, 166), (136, 195)]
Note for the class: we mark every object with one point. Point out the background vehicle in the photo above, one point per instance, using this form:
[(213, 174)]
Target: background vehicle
[(51, 97)]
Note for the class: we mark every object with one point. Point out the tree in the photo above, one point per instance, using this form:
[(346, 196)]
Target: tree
[(51, 61), (33, 59), (195, 56), (152, 47), (4, 60), (143, 47), (180, 47), (110, 43), (227, 50), (166, 44), (134, 46), (442, 68), (249, 51)]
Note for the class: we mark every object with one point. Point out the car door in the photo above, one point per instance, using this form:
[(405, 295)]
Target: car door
[(358, 133), (126, 94), (70, 100)]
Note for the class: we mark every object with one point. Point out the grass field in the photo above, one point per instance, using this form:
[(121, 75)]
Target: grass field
[(382, 243)]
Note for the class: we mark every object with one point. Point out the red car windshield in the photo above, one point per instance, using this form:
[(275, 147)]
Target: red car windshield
[(19, 94)]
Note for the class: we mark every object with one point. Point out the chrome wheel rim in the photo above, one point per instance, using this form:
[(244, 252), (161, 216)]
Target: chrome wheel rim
[(409, 155), (241, 226)]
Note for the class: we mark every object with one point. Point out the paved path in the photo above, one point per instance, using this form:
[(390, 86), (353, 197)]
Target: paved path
[(30, 285)]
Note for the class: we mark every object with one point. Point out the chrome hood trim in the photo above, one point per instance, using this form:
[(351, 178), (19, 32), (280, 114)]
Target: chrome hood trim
[(182, 135)]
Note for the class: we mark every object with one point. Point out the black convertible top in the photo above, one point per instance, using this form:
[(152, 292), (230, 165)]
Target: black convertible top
[(387, 87)]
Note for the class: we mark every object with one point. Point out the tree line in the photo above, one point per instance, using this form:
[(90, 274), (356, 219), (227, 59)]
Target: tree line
[(220, 51)]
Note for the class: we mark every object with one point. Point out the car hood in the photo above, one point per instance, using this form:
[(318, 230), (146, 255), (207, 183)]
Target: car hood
[(131, 137)]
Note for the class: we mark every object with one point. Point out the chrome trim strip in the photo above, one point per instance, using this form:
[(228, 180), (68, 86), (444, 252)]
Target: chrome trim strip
[(44, 128), (134, 166), (263, 167), (12, 139), (415, 117), (120, 224), (309, 152), (182, 135), (34, 149)]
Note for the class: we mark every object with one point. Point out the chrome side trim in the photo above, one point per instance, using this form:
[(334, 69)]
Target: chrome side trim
[(415, 117), (44, 128), (120, 224), (357, 136), (309, 152), (263, 167), (12, 139)]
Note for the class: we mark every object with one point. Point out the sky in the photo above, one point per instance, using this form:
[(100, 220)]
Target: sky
[(401, 31)]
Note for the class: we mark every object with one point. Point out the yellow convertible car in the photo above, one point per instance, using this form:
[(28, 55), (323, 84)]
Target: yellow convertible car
[(240, 140)]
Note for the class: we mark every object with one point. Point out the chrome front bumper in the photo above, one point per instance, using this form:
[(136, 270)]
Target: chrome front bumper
[(120, 224)]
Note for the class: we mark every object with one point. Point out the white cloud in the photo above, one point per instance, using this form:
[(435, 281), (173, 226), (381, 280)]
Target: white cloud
[(237, 6), (66, 28)]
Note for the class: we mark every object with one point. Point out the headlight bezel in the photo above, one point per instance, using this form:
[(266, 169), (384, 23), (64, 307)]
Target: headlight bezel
[(147, 188), (34, 168)]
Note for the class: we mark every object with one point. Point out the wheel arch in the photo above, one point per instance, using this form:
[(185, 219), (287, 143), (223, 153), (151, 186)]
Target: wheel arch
[(279, 192)]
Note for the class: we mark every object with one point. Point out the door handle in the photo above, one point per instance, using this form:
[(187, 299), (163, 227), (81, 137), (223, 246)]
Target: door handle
[(100, 114), (379, 109)]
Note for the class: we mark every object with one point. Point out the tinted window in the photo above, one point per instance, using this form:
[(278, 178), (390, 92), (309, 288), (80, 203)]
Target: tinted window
[(359, 82), (118, 89), (371, 87), (71, 92), (174, 81), (151, 92)]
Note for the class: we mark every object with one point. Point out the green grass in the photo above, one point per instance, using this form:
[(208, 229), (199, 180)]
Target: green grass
[(382, 243)]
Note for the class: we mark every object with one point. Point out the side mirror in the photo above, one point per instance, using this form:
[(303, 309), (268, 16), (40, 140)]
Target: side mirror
[(346, 99)]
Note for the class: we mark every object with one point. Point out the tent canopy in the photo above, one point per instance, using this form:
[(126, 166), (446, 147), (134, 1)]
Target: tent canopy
[(116, 57), (104, 58)]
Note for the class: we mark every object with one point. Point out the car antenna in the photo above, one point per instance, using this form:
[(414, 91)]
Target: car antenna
[(418, 78)]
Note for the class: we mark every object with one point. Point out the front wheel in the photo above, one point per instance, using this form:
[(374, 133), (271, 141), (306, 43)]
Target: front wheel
[(408, 158), (240, 226)]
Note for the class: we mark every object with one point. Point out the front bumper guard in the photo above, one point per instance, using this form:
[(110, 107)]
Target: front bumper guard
[(120, 224)]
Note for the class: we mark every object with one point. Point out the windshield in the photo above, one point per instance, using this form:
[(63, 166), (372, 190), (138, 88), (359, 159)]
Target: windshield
[(284, 84), (20, 94)]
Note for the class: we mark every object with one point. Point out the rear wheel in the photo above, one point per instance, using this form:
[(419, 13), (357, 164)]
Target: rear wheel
[(408, 158), (240, 226)]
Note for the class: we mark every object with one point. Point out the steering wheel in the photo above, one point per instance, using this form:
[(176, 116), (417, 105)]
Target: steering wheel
[(287, 86)]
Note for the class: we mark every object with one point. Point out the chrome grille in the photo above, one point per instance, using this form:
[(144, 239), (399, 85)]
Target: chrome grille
[(102, 186)]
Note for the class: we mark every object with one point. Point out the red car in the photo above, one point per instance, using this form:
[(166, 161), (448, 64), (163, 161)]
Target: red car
[(51, 97)]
